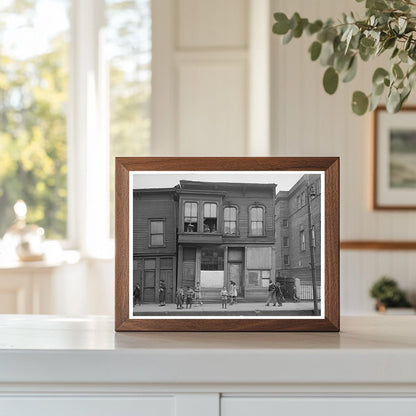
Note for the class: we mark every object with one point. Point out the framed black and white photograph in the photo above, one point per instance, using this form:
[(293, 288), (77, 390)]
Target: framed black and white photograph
[(394, 159), (236, 249)]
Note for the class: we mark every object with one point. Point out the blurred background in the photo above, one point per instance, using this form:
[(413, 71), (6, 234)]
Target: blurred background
[(83, 81)]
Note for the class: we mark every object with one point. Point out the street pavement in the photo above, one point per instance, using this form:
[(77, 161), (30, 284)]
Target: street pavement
[(239, 309)]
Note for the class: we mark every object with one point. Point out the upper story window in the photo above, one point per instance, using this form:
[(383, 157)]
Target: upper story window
[(157, 232), (210, 217), (230, 220), (190, 217), (303, 199), (285, 223), (302, 240), (256, 221), (286, 260), (298, 201), (285, 241)]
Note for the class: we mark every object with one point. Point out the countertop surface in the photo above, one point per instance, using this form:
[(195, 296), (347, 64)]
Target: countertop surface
[(53, 349)]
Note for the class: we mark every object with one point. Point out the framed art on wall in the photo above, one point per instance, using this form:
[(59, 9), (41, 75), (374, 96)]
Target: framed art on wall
[(227, 244), (394, 179)]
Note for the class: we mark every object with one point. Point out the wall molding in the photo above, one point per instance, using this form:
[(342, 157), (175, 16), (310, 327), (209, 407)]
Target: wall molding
[(377, 245)]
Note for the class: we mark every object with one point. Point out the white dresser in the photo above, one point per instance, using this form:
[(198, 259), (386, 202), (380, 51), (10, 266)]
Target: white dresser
[(51, 365)]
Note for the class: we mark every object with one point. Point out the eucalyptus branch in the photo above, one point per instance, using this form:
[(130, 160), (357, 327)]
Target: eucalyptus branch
[(388, 25)]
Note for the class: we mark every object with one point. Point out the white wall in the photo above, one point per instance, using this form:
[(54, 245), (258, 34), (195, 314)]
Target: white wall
[(308, 122)]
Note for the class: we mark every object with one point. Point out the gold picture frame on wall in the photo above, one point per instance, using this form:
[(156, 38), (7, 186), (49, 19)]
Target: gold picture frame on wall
[(206, 244)]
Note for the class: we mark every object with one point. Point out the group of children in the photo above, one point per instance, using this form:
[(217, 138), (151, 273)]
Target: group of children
[(189, 295)]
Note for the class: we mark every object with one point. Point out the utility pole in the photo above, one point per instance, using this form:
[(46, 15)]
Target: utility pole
[(311, 250)]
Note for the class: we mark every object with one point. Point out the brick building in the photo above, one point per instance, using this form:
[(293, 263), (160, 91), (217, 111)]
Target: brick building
[(293, 243)]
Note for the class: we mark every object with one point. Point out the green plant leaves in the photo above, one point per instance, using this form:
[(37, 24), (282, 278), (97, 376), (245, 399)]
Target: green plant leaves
[(281, 27), (359, 103), (339, 44), (315, 50), (330, 80)]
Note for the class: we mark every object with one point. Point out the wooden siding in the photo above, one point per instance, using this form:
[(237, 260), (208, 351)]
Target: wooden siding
[(157, 205)]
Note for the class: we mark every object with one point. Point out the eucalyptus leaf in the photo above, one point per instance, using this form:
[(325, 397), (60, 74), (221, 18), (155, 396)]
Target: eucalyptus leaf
[(327, 53), (403, 56), (288, 37), (315, 50), (330, 80), (350, 73), (359, 103), (379, 75), (393, 101), (374, 102), (314, 27), (281, 27), (397, 71)]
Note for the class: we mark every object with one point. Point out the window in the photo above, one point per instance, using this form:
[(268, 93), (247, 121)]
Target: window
[(258, 278), (302, 241), (285, 241), (129, 55), (230, 220), (191, 217), (157, 232), (313, 236), (303, 199), (285, 223), (298, 201), (286, 260), (34, 69), (256, 221), (210, 217), (212, 258), (63, 177)]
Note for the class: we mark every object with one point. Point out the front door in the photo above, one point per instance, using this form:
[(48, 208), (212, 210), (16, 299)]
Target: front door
[(189, 267), (234, 274)]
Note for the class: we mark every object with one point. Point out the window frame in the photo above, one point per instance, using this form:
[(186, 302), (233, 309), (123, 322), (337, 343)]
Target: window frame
[(286, 256), (197, 216), (236, 220), (283, 241), (302, 240), (250, 231), (216, 217), (163, 233)]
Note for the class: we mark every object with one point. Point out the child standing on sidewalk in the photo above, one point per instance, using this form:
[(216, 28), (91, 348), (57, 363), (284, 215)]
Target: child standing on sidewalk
[(224, 296)]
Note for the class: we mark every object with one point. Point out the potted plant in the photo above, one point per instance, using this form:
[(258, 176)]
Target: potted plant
[(387, 294), (389, 27)]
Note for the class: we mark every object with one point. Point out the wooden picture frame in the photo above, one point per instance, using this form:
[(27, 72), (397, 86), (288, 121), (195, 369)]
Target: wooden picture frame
[(220, 226), (394, 184)]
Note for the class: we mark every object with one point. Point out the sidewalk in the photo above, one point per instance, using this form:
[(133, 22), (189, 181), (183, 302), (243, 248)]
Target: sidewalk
[(239, 309)]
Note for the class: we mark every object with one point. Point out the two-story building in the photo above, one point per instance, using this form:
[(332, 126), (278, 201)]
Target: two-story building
[(209, 233), (226, 232), (154, 241)]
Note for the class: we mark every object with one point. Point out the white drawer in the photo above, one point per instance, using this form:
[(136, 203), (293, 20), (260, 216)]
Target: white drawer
[(277, 406), (87, 406)]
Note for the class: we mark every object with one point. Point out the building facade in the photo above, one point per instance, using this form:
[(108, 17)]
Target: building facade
[(217, 232), (154, 242), (296, 238)]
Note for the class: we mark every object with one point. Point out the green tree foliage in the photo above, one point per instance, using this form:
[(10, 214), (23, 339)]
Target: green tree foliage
[(129, 35), (389, 27), (33, 97)]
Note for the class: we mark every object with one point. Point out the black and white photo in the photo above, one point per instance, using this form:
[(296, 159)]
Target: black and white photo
[(226, 244)]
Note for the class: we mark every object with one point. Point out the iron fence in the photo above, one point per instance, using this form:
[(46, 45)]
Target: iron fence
[(306, 292)]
